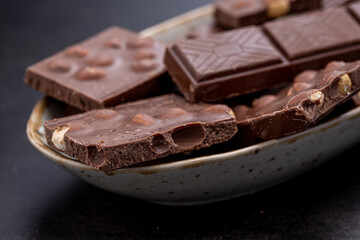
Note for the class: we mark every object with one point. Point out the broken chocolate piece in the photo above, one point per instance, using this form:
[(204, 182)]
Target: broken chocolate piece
[(140, 131), (294, 109), (250, 59), (111, 67)]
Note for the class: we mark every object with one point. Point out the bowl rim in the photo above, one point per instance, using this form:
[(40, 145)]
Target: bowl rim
[(35, 138), (36, 117)]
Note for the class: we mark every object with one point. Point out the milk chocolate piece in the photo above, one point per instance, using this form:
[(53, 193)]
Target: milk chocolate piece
[(140, 131), (311, 96), (111, 67), (239, 13), (250, 59), (308, 34)]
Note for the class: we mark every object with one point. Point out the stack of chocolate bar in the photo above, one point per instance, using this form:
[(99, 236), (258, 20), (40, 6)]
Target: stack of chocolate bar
[(300, 67)]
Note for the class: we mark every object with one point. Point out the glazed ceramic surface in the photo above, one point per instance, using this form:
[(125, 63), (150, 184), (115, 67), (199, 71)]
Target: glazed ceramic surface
[(209, 178)]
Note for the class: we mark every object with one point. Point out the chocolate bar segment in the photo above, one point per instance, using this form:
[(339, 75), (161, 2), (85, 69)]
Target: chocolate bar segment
[(249, 59), (111, 67), (140, 131), (308, 34), (239, 13), (311, 96)]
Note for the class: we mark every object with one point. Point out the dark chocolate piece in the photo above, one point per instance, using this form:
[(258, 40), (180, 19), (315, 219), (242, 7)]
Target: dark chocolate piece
[(111, 67), (140, 131), (311, 96), (308, 34), (250, 59), (239, 13)]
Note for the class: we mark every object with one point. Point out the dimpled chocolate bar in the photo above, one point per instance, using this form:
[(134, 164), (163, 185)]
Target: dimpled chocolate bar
[(239, 13), (114, 66), (140, 131), (311, 96), (249, 59)]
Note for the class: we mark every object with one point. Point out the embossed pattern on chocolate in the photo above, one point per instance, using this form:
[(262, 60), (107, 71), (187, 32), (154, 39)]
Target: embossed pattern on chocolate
[(312, 33), (111, 67), (211, 69), (311, 96), (140, 131), (231, 51)]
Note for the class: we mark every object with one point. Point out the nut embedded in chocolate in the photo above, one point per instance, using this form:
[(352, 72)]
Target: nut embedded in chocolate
[(293, 111), (57, 137), (88, 73), (137, 133), (345, 84), (76, 51), (317, 98), (277, 8)]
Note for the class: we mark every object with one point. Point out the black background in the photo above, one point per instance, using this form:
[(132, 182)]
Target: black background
[(38, 200)]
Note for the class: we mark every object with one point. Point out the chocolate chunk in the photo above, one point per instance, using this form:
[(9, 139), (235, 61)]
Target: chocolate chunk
[(239, 13), (140, 131), (308, 34), (102, 71), (292, 110), (249, 59)]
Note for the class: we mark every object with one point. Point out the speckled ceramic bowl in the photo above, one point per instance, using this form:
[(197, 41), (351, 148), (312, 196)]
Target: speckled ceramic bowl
[(215, 177)]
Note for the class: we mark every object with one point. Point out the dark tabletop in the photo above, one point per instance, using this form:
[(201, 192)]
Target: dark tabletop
[(38, 200)]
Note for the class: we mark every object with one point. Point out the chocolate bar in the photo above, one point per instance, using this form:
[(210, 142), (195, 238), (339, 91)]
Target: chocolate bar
[(253, 58), (311, 96), (140, 131), (239, 13), (111, 67)]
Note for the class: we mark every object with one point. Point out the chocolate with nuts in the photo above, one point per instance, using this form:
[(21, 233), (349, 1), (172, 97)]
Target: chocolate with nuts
[(140, 131), (311, 96), (249, 59), (239, 13), (111, 67)]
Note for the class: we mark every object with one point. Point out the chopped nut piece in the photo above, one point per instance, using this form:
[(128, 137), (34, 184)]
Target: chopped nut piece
[(220, 109), (143, 118), (277, 8), (344, 85), (58, 137), (173, 113), (88, 73), (76, 51), (264, 100), (317, 98)]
